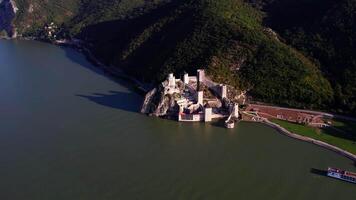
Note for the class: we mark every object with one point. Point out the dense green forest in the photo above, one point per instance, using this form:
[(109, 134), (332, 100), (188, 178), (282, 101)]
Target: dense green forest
[(33, 14), (325, 31), (306, 59)]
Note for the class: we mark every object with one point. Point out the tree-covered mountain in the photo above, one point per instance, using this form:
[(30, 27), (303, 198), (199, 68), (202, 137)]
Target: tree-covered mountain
[(325, 31), (306, 60)]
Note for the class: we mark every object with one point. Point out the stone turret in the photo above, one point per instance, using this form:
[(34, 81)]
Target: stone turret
[(201, 75), (208, 114), (235, 110), (200, 97), (171, 81), (200, 78), (186, 78), (223, 91)]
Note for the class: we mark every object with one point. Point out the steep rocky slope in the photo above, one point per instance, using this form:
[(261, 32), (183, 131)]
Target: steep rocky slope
[(8, 11)]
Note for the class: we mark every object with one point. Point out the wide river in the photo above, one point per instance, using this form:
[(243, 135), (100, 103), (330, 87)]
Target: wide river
[(69, 132)]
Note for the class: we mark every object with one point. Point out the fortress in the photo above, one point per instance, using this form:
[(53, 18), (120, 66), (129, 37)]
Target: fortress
[(195, 99)]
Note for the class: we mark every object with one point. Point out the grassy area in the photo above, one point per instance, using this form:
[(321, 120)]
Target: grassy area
[(331, 136), (347, 126)]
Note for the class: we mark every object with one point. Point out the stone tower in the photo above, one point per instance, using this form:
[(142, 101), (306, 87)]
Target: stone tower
[(236, 110), (200, 97), (200, 78), (201, 75), (171, 81), (208, 114), (223, 91), (186, 78)]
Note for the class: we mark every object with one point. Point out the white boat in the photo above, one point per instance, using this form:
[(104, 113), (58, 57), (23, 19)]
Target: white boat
[(342, 175)]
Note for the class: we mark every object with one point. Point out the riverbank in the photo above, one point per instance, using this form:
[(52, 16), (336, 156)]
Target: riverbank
[(81, 46), (310, 140)]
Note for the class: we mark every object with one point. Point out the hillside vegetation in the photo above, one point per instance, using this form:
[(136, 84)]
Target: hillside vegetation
[(325, 31), (33, 14), (151, 38)]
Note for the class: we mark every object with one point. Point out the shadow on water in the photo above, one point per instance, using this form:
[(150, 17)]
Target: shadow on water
[(79, 58), (127, 101), (318, 172), (82, 60), (117, 100)]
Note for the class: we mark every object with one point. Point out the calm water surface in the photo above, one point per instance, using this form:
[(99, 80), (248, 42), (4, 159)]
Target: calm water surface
[(69, 132)]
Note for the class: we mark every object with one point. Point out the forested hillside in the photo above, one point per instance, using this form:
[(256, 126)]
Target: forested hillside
[(33, 14), (325, 31), (308, 64)]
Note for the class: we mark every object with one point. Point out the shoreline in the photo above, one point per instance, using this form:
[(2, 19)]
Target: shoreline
[(319, 143), (80, 46), (115, 72)]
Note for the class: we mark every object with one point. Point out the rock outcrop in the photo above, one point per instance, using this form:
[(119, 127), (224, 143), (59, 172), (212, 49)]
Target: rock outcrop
[(166, 105), (8, 11), (158, 103), (148, 101)]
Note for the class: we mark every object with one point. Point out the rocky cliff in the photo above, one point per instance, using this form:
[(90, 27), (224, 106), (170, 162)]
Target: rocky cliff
[(158, 103), (8, 11)]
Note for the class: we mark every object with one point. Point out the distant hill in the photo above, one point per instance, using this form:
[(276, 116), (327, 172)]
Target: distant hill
[(306, 60)]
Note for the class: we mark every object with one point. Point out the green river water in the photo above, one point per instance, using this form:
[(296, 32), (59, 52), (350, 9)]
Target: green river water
[(69, 132)]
